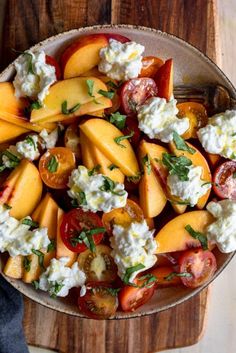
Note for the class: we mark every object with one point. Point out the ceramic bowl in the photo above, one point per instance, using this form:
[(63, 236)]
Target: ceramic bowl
[(190, 65)]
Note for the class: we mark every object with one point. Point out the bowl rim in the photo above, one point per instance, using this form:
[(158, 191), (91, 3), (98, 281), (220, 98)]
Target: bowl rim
[(200, 54)]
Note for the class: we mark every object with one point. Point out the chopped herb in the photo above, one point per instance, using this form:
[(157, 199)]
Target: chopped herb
[(27, 264), (86, 237), (177, 165), (234, 175), (129, 271), (113, 85), (197, 235), (107, 94), (67, 111), (181, 144), (74, 203), (234, 134), (51, 246), (113, 291), (150, 280), (81, 198), (109, 186), (179, 202), (56, 289), (135, 179), (94, 170), (30, 67), (35, 284), (7, 207), (147, 163), (30, 141), (118, 120), (112, 167), (52, 164), (40, 255), (233, 156), (177, 274), (121, 138), (90, 85), (13, 159), (29, 222), (35, 105)]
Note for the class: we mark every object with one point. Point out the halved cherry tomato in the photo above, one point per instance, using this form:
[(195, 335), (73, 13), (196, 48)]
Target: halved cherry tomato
[(150, 66), (224, 180), (131, 298), (197, 115), (135, 92), (123, 216), (72, 140), (76, 221), (98, 266), (131, 125), (55, 167), (51, 61), (201, 264), (99, 302)]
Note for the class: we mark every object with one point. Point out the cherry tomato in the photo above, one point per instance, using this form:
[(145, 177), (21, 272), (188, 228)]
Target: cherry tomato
[(135, 92), (151, 64), (132, 212), (131, 298), (201, 264), (224, 180), (72, 140), (51, 61), (98, 266), (55, 167), (99, 302), (76, 221), (131, 125), (197, 115)]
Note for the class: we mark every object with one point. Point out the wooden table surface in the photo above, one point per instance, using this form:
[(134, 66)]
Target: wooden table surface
[(121, 13)]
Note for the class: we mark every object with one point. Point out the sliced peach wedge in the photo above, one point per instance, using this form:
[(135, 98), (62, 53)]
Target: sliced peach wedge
[(9, 102), (174, 237), (9, 131), (197, 160), (75, 93)]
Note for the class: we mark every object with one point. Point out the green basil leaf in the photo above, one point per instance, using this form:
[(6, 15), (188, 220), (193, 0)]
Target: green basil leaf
[(112, 167), (57, 287), (30, 222), (177, 165), (181, 144), (30, 141), (118, 120), (90, 86), (147, 163), (52, 165), (94, 170), (129, 271), (35, 284), (67, 111), (27, 264), (107, 94), (51, 246), (40, 255), (197, 235), (119, 139), (113, 291), (177, 274)]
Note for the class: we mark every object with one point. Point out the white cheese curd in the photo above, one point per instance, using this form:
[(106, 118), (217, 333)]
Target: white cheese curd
[(222, 232), (28, 148), (17, 239), (157, 119), (33, 76), (121, 61), (190, 190), (132, 246), (92, 187), (58, 279), (49, 140), (219, 135)]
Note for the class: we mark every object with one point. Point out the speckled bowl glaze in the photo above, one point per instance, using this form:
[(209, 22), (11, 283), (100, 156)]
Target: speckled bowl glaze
[(190, 65)]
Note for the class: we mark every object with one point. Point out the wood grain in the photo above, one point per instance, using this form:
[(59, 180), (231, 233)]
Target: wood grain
[(26, 23)]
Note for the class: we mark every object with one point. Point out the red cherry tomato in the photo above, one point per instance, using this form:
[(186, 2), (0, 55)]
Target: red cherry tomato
[(51, 61), (99, 302), (201, 264), (131, 125), (135, 92), (224, 180), (131, 298), (73, 223), (117, 37)]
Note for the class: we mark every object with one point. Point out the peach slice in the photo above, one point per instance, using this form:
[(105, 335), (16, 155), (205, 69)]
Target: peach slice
[(198, 160), (14, 267), (8, 101), (62, 250), (152, 198), (9, 131), (82, 55), (73, 91), (174, 237), (87, 157), (164, 80), (103, 134), (22, 190), (46, 216)]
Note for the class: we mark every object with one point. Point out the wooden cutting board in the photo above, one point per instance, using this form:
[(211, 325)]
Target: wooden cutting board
[(26, 23)]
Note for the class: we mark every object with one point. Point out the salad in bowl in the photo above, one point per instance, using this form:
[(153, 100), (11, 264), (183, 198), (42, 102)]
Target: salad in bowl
[(111, 190)]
